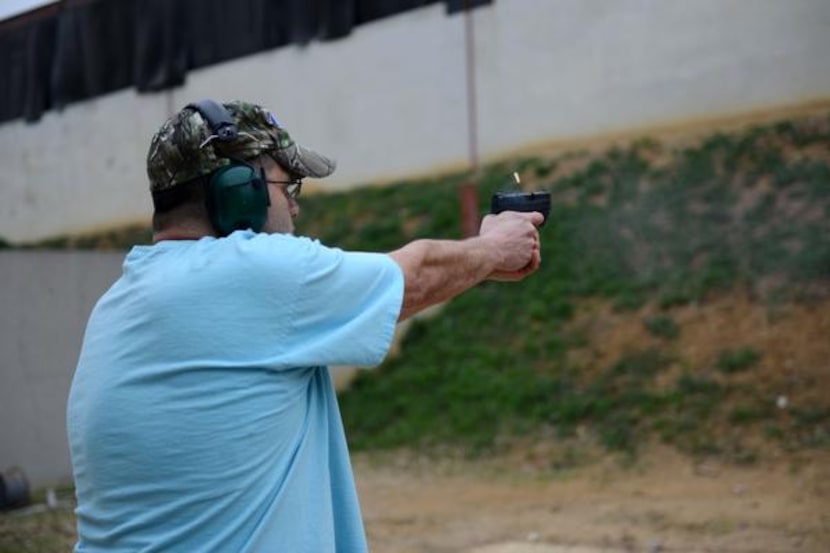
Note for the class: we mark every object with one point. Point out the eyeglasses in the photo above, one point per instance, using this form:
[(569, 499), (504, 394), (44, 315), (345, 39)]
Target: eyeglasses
[(292, 187)]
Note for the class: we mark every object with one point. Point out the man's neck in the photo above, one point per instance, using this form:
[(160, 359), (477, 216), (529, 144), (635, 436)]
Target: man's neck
[(183, 232)]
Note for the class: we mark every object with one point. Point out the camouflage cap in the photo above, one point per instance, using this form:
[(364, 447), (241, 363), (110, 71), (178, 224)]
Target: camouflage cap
[(185, 146)]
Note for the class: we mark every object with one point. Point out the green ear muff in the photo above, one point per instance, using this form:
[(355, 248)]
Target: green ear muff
[(237, 198)]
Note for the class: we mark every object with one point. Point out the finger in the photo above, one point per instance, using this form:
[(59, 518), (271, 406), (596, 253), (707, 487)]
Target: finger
[(534, 264), (531, 267)]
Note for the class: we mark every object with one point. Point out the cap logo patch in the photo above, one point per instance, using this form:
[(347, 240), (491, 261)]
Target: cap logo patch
[(272, 119)]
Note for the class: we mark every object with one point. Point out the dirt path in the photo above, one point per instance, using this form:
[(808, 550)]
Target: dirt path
[(664, 503)]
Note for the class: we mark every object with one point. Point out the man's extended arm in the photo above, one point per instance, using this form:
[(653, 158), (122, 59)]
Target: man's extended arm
[(507, 248)]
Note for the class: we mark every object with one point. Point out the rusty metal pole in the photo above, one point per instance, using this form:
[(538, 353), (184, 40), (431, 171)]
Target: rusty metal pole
[(468, 191)]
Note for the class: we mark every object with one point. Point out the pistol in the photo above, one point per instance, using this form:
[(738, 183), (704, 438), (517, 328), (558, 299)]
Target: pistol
[(521, 201)]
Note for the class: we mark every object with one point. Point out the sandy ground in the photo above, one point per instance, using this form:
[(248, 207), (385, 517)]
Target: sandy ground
[(664, 502)]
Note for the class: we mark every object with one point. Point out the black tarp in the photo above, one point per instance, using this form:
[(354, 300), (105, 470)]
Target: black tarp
[(94, 51), (78, 49), (160, 45), (454, 6), (26, 59)]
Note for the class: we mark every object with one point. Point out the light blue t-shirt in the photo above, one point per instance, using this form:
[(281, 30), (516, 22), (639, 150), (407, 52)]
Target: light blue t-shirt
[(202, 416)]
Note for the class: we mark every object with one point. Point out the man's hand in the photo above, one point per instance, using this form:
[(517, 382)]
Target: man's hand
[(507, 248), (516, 237)]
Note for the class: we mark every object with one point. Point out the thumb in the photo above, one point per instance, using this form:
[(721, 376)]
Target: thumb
[(534, 217)]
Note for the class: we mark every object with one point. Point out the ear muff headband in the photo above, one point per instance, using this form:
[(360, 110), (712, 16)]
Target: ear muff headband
[(236, 194), (221, 123)]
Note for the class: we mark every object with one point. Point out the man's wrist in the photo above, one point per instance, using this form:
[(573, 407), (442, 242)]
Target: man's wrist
[(490, 252)]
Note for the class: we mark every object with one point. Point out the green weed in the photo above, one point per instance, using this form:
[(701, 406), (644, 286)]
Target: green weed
[(662, 326), (737, 360)]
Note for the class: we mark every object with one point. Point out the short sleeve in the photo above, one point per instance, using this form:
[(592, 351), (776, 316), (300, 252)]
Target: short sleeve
[(346, 307)]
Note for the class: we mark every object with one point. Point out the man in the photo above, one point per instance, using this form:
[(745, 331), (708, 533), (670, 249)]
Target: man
[(202, 416)]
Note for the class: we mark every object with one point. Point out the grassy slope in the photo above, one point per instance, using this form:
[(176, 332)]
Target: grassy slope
[(640, 225), (646, 228)]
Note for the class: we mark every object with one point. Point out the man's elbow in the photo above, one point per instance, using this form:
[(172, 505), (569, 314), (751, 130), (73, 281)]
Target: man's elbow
[(410, 259), (415, 295)]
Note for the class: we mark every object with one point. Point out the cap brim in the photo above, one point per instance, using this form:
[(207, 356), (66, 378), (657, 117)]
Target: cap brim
[(305, 162)]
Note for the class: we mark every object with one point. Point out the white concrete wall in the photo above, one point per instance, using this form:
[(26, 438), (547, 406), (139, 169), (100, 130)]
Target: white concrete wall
[(390, 99)]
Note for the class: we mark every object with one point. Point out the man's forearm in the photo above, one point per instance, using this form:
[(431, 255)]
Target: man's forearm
[(437, 270)]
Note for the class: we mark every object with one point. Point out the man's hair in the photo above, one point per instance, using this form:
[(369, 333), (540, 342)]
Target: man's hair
[(187, 202)]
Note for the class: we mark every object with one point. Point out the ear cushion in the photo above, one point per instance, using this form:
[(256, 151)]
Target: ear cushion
[(237, 198)]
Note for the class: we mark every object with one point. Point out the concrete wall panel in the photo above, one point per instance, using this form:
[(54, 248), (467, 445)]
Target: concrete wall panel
[(46, 299)]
